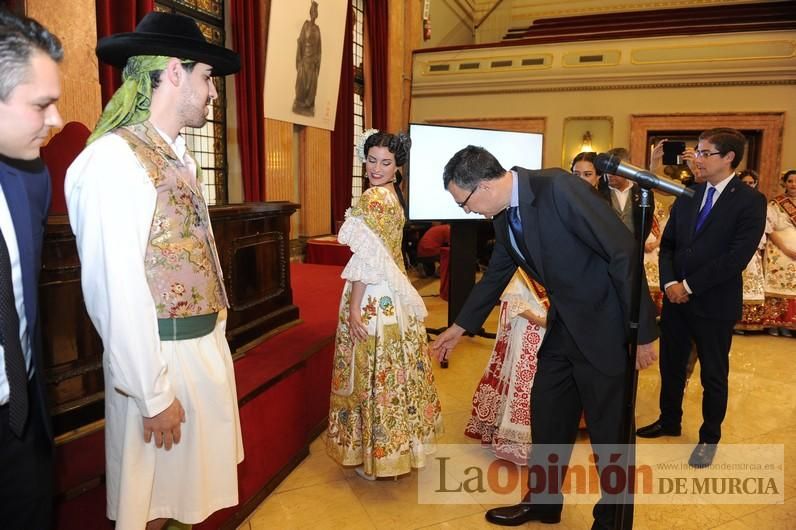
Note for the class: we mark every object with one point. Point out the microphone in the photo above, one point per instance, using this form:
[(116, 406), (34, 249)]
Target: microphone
[(611, 164)]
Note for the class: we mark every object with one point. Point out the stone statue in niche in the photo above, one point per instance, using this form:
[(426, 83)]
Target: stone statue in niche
[(308, 64)]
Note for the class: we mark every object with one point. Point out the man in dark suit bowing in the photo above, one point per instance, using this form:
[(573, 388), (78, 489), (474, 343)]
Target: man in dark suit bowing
[(567, 237), (706, 245), (29, 87)]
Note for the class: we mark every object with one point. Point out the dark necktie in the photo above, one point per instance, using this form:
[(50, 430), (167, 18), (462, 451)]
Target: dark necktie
[(16, 371), (515, 224), (703, 213)]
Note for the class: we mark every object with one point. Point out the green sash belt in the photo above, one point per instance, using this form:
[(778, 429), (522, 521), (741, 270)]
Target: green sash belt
[(186, 327)]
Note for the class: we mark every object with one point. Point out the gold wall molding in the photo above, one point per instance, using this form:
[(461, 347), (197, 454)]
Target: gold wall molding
[(727, 51), (315, 181), (752, 59), (532, 124), (769, 124), (529, 10), (479, 91)]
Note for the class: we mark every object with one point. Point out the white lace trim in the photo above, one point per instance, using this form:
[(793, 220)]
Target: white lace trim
[(372, 263)]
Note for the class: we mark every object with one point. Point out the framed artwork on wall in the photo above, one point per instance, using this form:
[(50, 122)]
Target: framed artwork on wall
[(302, 67)]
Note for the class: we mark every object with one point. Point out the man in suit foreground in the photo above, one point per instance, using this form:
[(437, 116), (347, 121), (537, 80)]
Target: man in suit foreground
[(29, 89), (566, 237), (706, 245)]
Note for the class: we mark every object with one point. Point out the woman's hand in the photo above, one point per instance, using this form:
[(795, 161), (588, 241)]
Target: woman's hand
[(533, 318), (357, 329)]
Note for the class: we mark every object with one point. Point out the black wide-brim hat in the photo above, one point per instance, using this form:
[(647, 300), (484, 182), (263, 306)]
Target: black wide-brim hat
[(171, 35)]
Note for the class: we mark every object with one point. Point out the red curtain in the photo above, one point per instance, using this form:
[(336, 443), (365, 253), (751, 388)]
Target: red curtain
[(376, 15), (116, 16), (248, 36), (343, 135)]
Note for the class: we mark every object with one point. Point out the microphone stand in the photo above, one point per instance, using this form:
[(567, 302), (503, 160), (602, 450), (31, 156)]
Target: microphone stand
[(611, 164), (623, 519), (624, 511)]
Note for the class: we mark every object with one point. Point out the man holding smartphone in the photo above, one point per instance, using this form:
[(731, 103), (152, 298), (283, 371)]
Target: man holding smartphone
[(706, 244)]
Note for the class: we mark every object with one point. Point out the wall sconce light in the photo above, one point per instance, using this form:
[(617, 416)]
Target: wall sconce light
[(586, 146)]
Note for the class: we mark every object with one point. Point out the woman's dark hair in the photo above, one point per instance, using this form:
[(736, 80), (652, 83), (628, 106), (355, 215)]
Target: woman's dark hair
[(586, 156), (749, 173), (397, 144), (787, 174)]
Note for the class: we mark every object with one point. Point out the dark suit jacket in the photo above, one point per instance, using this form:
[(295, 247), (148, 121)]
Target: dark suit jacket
[(584, 257), (635, 196), (712, 259), (27, 190)]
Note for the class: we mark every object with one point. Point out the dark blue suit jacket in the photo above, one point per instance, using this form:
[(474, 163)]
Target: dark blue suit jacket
[(711, 260), (26, 186), (582, 254)]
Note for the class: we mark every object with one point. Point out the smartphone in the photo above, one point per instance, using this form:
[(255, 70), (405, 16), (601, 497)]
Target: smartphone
[(672, 152)]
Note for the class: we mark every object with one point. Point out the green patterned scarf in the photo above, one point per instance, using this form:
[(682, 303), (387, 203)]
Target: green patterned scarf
[(130, 104)]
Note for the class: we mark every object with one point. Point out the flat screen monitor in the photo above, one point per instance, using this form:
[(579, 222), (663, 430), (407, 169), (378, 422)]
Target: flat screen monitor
[(434, 145)]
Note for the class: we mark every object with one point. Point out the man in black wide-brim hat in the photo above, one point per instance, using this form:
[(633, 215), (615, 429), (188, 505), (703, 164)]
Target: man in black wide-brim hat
[(152, 281)]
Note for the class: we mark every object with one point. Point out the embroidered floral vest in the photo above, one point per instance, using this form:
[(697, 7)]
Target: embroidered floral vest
[(182, 265)]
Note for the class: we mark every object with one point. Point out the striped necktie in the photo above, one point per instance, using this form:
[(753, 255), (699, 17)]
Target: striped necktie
[(16, 370)]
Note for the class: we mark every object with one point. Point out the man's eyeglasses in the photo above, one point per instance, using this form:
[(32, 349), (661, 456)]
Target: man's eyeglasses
[(464, 203), (706, 154)]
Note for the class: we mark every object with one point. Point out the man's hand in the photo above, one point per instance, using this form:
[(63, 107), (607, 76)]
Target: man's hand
[(447, 340), (645, 355), (689, 157), (165, 426), (676, 293)]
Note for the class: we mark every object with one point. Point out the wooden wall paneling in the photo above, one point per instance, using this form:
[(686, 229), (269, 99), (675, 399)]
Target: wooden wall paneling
[(75, 24), (769, 124), (315, 181), (280, 171)]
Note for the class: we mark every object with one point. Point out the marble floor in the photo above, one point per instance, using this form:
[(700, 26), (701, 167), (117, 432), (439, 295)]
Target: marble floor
[(318, 494)]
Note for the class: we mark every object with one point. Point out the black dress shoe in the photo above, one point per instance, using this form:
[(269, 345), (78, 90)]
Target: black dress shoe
[(656, 430), (703, 455), (521, 514)]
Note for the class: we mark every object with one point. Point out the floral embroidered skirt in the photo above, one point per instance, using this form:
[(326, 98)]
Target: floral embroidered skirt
[(384, 412), (501, 415)]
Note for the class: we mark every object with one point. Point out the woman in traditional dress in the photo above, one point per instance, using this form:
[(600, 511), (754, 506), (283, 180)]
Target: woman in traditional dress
[(753, 283), (501, 414), (385, 414), (651, 251), (780, 262)]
